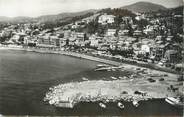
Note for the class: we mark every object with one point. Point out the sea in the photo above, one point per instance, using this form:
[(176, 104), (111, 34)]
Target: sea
[(25, 78)]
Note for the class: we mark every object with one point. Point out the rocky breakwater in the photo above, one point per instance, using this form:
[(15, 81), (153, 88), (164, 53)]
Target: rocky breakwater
[(69, 94)]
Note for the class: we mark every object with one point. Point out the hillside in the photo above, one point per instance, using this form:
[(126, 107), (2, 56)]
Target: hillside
[(144, 7), (63, 16)]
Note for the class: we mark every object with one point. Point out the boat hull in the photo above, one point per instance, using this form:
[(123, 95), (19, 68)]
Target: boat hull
[(174, 103)]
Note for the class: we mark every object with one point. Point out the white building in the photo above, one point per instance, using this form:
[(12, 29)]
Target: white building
[(111, 32), (127, 20), (145, 48), (123, 32), (94, 40), (106, 19), (137, 33), (94, 43)]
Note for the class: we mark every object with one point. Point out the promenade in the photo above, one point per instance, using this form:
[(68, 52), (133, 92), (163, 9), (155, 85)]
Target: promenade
[(91, 57)]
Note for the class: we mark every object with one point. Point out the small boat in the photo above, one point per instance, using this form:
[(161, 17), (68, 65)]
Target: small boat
[(103, 69), (120, 67), (107, 100), (113, 70), (120, 105), (51, 102), (120, 77), (114, 78), (175, 101), (102, 65), (135, 103), (85, 79), (102, 105)]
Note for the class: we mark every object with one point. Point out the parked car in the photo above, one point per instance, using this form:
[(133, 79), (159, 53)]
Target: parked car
[(151, 80)]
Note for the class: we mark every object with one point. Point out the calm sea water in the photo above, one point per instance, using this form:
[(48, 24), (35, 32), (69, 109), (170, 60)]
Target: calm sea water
[(25, 77)]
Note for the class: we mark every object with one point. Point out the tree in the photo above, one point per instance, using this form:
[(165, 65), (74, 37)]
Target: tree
[(142, 23)]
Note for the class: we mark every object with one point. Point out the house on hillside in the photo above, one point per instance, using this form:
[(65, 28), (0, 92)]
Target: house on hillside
[(137, 33), (157, 52), (127, 20), (95, 40), (172, 56), (146, 49), (123, 33), (106, 19), (149, 32), (111, 32), (80, 36)]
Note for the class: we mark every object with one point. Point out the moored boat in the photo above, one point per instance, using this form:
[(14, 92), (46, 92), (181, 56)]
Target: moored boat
[(103, 69), (102, 65), (102, 105), (175, 101)]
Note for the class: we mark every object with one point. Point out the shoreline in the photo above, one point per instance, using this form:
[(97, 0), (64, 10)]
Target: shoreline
[(115, 87), (92, 58), (66, 53)]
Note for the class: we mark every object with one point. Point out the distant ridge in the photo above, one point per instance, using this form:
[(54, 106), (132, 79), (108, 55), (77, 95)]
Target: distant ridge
[(144, 7), (15, 19), (46, 18), (136, 7)]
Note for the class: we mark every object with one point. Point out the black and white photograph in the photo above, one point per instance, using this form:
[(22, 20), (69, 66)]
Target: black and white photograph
[(91, 58)]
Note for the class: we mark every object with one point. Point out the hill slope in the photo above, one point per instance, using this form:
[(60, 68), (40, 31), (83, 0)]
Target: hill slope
[(144, 7), (62, 16)]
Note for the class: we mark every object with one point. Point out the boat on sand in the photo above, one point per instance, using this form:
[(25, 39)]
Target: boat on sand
[(135, 103), (120, 105), (114, 78), (84, 78)]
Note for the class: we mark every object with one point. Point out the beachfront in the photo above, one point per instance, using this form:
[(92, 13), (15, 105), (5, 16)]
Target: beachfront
[(92, 57), (110, 90)]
